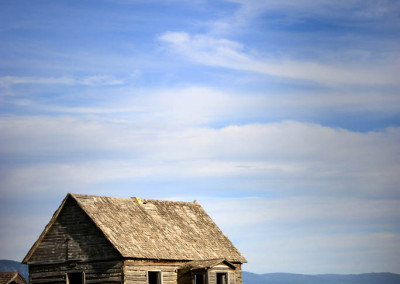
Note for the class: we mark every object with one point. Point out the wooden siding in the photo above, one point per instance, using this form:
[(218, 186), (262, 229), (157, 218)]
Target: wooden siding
[(96, 272), (135, 271), (73, 236), (238, 273), (234, 276)]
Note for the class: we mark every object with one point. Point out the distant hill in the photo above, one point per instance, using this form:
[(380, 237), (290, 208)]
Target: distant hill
[(11, 266), (289, 278)]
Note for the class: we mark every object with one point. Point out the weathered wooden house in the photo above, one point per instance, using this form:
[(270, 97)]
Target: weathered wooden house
[(11, 278), (95, 239)]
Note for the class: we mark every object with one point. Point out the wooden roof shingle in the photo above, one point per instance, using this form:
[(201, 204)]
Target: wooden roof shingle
[(155, 229)]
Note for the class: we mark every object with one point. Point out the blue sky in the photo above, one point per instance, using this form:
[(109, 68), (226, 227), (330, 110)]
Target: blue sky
[(282, 118)]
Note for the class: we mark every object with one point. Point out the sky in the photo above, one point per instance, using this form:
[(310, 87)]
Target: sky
[(281, 118)]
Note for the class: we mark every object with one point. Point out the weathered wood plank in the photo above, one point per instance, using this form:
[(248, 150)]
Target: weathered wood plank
[(73, 236), (95, 272)]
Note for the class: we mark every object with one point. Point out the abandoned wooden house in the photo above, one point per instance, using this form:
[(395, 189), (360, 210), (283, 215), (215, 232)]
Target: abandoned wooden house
[(11, 278), (96, 239)]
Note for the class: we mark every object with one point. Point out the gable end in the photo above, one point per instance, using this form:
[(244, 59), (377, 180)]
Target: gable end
[(71, 235)]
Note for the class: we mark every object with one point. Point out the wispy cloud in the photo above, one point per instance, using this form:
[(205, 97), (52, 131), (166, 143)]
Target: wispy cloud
[(8, 81), (346, 11), (100, 80), (220, 52), (212, 106), (349, 8), (96, 80)]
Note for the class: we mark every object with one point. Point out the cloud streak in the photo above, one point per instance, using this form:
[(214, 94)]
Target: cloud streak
[(217, 52), (96, 80), (213, 106), (306, 8), (347, 13)]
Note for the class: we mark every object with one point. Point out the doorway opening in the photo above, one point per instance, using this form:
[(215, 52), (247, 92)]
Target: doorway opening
[(76, 278), (199, 278), (154, 277), (222, 278)]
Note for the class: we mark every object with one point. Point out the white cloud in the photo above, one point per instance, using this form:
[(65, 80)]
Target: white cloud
[(219, 52), (304, 232), (8, 81), (96, 80), (324, 180), (277, 157), (100, 80), (327, 212), (192, 106)]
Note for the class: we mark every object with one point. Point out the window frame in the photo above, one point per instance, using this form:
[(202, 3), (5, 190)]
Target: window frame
[(157, 271), (222, 272), (204, 274), (75, 272)]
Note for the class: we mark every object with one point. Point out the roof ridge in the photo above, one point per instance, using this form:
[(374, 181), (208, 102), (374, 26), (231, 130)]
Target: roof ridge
[(171, 201), (134, 197), (92, 195)]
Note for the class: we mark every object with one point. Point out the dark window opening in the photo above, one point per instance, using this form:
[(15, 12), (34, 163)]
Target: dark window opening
[(154, 277), (199, 279), (76, 278), (222, 278)]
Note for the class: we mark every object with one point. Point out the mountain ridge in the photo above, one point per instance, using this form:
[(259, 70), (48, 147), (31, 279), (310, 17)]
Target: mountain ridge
[(292, 278), (12, 265)]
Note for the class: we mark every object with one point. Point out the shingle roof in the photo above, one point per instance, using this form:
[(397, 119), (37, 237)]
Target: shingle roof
[(8, 277), (155, 229)]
